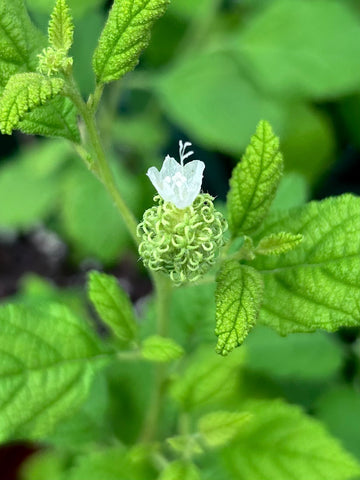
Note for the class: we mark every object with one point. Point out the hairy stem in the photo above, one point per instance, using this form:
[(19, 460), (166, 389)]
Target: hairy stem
[(101, 165), (163, 295)]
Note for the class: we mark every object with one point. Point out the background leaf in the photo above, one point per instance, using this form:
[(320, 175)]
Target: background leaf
[(283, 46), (282, 439)]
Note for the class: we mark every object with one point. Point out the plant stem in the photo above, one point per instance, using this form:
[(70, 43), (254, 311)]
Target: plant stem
[(101, 164), (162, 284), (163, 294)]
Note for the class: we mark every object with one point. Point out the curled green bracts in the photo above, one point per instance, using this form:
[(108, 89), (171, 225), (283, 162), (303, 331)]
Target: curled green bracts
[(181, 242)]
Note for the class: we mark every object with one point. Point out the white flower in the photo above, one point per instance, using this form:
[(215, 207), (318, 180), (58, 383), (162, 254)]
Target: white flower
[(178, 183)]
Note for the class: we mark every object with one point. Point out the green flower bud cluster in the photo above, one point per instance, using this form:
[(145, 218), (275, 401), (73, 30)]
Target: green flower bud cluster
[(182, 243), (52, 61)]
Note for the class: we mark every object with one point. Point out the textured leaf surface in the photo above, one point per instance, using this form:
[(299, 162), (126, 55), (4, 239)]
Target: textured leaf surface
[(23, 93), (61, 28), (180, 469), (112, 305), (58, 118), (314, 357), (161, 349), (281, 442), (254, 181), (278, 243), (219, 428), (309, 48), (318, 284), (126, 34), (20, 41), (238, 299), (47, 362)]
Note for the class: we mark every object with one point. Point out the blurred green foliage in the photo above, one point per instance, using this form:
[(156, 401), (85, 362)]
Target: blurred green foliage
[(212, 71)]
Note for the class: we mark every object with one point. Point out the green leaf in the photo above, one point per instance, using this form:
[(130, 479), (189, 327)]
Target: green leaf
[(207, 379), (184, 92), (238, 299), (43, 465), (125, 35), (23, 93), (161, 349), (58, 118), (48, 358), (108, 464), (185, 444), (112, 305), (78, 9), (86, 205), (318, 284), (278, 243), (281, 442), (304, 49), (20, 41), (219, 428), (192, 313), (180, 469), (254, 181), (61, 27), (29, 185), (293, 191), (339, 409), (314, 357), (308, 142)]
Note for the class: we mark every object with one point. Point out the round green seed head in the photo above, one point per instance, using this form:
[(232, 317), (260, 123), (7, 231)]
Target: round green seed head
[(182, 243)]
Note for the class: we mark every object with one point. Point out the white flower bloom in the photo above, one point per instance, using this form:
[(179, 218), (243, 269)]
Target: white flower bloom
[(178, 183)]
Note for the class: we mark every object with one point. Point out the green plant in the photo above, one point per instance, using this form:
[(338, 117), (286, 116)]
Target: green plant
[(151, 398)]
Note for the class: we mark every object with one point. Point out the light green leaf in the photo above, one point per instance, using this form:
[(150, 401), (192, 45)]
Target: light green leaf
[(185, 444), (281, 442), (278, 243), (58, 118), (112, 305), (43, 465), (48, 358), (307, 49), (308, 141), (254, 181), (293, 191), (219, 428), (90, 221), (238, 296), (339, 409), (318, 284), (227, 121), (29, 185), (180, 469), (23, 93), (314, 357), (125, 35), (20, 41), (161, 349), (207, 379), (61, 27), (108, 464)]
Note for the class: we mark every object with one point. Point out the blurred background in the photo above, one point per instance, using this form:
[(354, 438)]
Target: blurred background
[(214, 68)]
